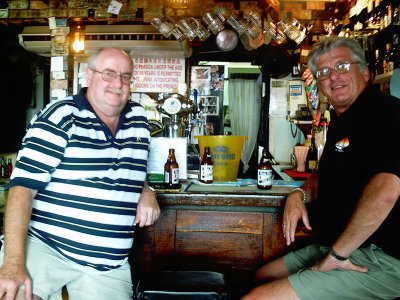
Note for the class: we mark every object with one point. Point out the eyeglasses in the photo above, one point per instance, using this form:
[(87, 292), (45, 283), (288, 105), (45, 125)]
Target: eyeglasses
[(340, 68), (111, 75)]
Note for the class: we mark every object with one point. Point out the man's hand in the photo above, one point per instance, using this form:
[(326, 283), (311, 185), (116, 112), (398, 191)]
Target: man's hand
[(330, 263), (147, 211), (294, 211), (12, 277)]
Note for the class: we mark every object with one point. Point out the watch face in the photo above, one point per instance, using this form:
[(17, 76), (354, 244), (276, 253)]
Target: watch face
[(227, 40)]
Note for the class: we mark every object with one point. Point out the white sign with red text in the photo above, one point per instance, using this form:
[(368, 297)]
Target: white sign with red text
[(158, 75)]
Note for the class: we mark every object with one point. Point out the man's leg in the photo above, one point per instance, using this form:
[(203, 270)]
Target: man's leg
[(273, 270), (276, 290), (277, 271), (21, 296), (382, 281), (114, 284)]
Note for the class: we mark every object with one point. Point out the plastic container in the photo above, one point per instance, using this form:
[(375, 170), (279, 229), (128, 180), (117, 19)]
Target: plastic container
[(226, 151)]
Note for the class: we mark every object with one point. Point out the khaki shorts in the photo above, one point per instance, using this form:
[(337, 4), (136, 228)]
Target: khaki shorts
[(49, 273), (381, 282)]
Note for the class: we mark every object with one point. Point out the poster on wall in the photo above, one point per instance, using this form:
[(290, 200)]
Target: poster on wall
[(201, 79), (158, 75), (206, 79)]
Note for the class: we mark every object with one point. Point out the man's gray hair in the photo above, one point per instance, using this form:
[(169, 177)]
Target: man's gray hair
[(332, 42), (92, 62)]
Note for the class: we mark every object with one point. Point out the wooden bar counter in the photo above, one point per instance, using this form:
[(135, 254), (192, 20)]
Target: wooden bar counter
[(232, 230)]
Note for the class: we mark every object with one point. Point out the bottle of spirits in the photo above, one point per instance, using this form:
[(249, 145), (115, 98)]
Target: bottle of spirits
[(396, 51), (171, 169), (396, 17), (206, 167), (312, 164), (378, 64), (387, 61), (9, 167), (3, 168), (264, 172)]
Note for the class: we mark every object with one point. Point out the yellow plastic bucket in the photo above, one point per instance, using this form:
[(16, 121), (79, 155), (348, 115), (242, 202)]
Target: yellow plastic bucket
[(226, 151)]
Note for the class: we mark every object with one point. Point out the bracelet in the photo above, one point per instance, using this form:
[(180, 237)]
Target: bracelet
[(304, 194), (150, 188), (337, 256)]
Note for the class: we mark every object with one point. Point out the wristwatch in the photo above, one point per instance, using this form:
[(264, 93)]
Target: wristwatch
[(337, 256)]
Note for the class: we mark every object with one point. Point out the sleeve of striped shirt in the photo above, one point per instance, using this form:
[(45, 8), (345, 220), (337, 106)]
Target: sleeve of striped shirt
[(42, 147)]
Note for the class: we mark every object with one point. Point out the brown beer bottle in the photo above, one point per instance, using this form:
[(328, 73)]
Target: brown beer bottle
[(206, 167), (264, 172), (171, 169)]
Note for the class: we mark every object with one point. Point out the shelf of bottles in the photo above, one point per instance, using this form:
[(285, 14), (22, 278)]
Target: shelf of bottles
[(376, 25)]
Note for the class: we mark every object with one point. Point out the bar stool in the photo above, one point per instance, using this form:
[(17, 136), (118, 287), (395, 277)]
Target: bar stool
[(187, 285)]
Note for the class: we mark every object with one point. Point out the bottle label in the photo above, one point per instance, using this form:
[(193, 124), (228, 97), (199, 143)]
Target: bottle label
[(166, 177), (264, 177), (312, 164), (206, 172), (175, 175), (172, 176)]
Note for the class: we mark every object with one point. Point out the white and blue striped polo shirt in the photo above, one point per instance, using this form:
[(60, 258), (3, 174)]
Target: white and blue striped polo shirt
[(88, 181)]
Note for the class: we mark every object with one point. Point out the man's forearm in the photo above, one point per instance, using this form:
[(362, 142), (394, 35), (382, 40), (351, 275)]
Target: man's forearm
[(375, 204), (17, 216)]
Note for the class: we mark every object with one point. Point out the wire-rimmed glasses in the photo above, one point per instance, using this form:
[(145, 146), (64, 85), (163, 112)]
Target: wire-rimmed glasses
[(110, 76), (340, 68)]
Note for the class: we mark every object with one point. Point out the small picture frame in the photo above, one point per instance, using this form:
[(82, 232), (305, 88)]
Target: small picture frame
[(210, 105)]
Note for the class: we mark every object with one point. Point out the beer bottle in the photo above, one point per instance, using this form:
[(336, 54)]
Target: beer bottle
[(171, 169), (264, 172), (206, 167)]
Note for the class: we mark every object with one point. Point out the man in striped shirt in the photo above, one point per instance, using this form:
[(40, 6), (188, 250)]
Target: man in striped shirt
[(77, 192)]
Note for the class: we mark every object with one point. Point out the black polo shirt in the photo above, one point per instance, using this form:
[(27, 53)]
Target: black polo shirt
[(360, 142)]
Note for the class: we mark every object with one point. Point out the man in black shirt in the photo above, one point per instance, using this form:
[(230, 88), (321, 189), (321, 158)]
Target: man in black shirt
[(353, 198)]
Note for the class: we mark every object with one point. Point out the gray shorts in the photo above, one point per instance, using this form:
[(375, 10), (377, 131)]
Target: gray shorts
[(381, 282), (49, 273)]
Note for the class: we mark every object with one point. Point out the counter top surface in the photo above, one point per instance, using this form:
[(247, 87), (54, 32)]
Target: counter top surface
[(228, 195)]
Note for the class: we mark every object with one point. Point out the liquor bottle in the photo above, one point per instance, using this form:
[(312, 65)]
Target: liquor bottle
[(396, 51), (312, 164), (264, 172), (389, 14), (9, 167), (206, 167), (307, 142), (387, 61), (396, 16), (3, 168), (378, 64), (171, 169)]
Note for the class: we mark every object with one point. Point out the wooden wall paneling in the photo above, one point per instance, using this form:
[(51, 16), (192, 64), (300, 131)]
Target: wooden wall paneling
[(218, 251), (273, 240), (219, 221), (164, 240)]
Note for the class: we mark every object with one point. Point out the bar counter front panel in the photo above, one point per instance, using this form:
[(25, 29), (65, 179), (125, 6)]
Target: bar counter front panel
[(231, 232)]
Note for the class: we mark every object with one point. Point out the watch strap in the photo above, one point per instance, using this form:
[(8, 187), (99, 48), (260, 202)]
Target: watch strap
[(337, 256)]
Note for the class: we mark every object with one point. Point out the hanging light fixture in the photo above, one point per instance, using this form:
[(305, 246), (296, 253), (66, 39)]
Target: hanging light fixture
[(79, 39), (178, 4)]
